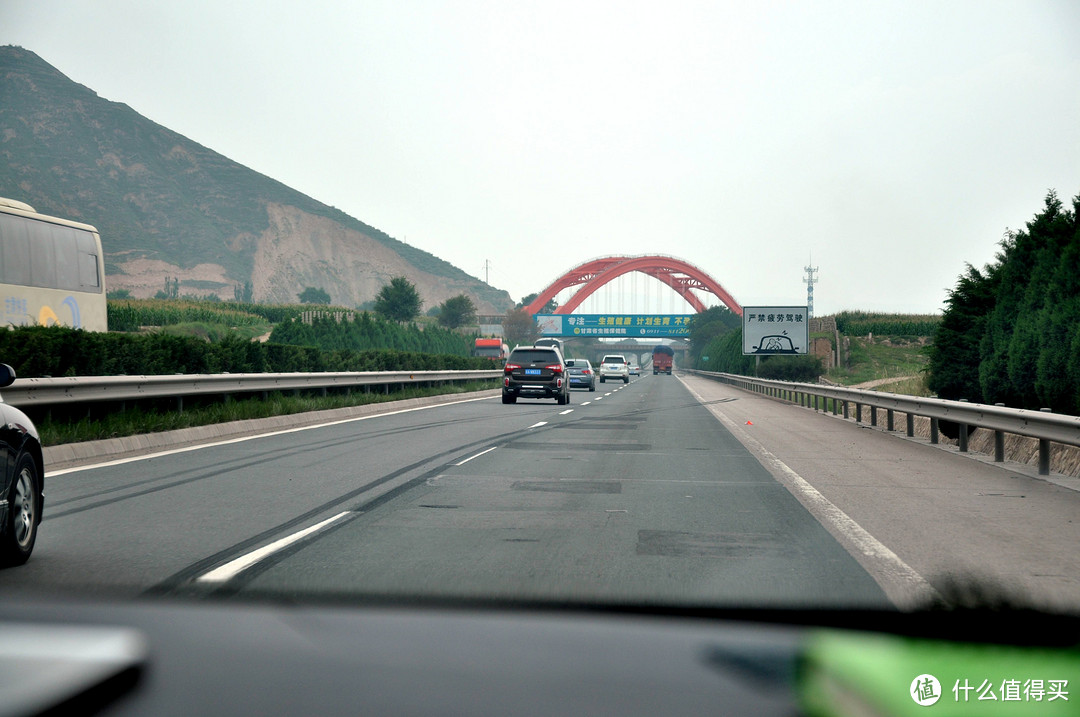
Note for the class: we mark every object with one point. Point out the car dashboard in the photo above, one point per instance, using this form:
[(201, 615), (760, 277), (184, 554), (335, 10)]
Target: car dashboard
[(274, 657)]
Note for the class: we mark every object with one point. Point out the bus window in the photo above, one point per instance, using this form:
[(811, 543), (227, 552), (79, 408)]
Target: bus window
[(14, 251)]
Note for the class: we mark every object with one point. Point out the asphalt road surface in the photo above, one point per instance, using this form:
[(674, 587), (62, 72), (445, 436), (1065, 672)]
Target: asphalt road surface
[(634, 493)]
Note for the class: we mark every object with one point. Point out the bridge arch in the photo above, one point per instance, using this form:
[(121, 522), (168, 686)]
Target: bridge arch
[(681, 276)]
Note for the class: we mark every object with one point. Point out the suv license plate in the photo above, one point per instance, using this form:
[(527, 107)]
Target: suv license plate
[(532, 372)]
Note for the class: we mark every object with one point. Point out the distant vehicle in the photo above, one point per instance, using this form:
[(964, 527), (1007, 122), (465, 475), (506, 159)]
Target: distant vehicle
[(52, 271), (614, 366), (775, 344), (635, 370), (581, 374), (22, 477), (662, 359), (535, 372), (494, 349)]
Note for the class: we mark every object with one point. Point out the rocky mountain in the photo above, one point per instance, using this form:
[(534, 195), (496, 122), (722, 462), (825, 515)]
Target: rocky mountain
[(167, 206)]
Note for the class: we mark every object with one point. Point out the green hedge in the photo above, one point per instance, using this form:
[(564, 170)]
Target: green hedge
[(37, 351), (369, 331)]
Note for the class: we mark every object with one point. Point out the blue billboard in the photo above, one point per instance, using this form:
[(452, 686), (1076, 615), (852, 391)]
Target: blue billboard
[(614, 325)]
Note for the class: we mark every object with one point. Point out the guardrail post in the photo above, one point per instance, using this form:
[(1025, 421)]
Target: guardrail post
[(179, 404), (934, 430), (873, 415), (963, 433), (835, 407), (910, 425), (858, 412), (845, 410), (815, 403), (1044, 451), (999, 443), (889, 419)]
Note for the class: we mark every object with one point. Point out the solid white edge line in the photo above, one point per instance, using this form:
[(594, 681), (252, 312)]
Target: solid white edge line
[(489, 450), (905, 587), (234, 567), (185, 449)]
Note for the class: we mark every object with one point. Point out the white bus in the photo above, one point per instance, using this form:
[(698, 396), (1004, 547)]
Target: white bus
[(52, 271)]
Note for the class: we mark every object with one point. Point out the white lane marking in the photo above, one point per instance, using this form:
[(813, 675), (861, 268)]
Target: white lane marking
[(231, 569), (609, 393), (599, 398), (489, 450), (537, 425), (586, 403), (569, 410), (241, 439), (900, 582)]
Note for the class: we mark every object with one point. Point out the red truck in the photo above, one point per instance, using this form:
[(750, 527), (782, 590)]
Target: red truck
[(662, 360), (493, 349)]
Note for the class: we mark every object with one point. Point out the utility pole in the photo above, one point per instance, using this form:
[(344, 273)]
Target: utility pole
[(810, 280), (487, 266)]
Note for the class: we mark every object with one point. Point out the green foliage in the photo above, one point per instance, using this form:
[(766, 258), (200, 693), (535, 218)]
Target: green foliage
[(862, 323), (117, 294), (131, 314), (1010, 332), (548, 308), (519, 328), (726, 356), (399, 300), (457, 311), (708, 325), (171, 290), (37, 351), (313, 295), (805, 369), (368, 331), (243, 293)]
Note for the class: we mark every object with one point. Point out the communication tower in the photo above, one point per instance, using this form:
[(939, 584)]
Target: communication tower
[(810, 280)]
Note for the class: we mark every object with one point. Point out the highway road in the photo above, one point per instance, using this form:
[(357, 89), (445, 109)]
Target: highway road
[(647, 492)]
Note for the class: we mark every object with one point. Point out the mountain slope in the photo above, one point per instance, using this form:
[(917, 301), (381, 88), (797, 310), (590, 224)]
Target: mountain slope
[(167, 206)]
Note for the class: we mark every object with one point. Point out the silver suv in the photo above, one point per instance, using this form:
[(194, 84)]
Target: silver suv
[(615, 366), (535, 372)]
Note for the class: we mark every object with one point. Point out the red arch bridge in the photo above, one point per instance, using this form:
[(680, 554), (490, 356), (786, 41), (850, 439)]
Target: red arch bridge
[(683, 277)]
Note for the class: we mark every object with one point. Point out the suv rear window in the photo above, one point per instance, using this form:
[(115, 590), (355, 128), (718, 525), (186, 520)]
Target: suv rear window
[(614, 359), (534, 356)]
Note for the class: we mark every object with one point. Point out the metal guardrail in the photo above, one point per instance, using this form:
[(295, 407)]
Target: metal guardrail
[(1047, 427), (30, 392)]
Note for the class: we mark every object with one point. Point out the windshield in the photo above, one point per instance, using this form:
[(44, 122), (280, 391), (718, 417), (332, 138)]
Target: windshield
[(829, 196)]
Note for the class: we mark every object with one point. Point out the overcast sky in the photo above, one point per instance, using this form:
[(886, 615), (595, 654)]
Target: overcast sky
[(892, 141)]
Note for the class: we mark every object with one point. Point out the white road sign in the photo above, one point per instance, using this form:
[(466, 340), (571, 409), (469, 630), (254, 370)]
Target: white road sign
[(775, 330)]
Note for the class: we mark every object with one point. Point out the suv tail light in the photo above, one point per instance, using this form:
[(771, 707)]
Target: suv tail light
[(555, 368), (510, 367)]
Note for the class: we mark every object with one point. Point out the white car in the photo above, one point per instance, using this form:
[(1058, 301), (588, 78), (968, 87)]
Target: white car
[(615, 366)]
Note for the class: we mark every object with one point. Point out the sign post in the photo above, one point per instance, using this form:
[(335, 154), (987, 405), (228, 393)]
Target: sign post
[(772, 330)]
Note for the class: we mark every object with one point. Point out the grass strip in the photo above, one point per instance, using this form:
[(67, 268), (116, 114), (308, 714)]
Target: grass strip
[(136, 420)]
